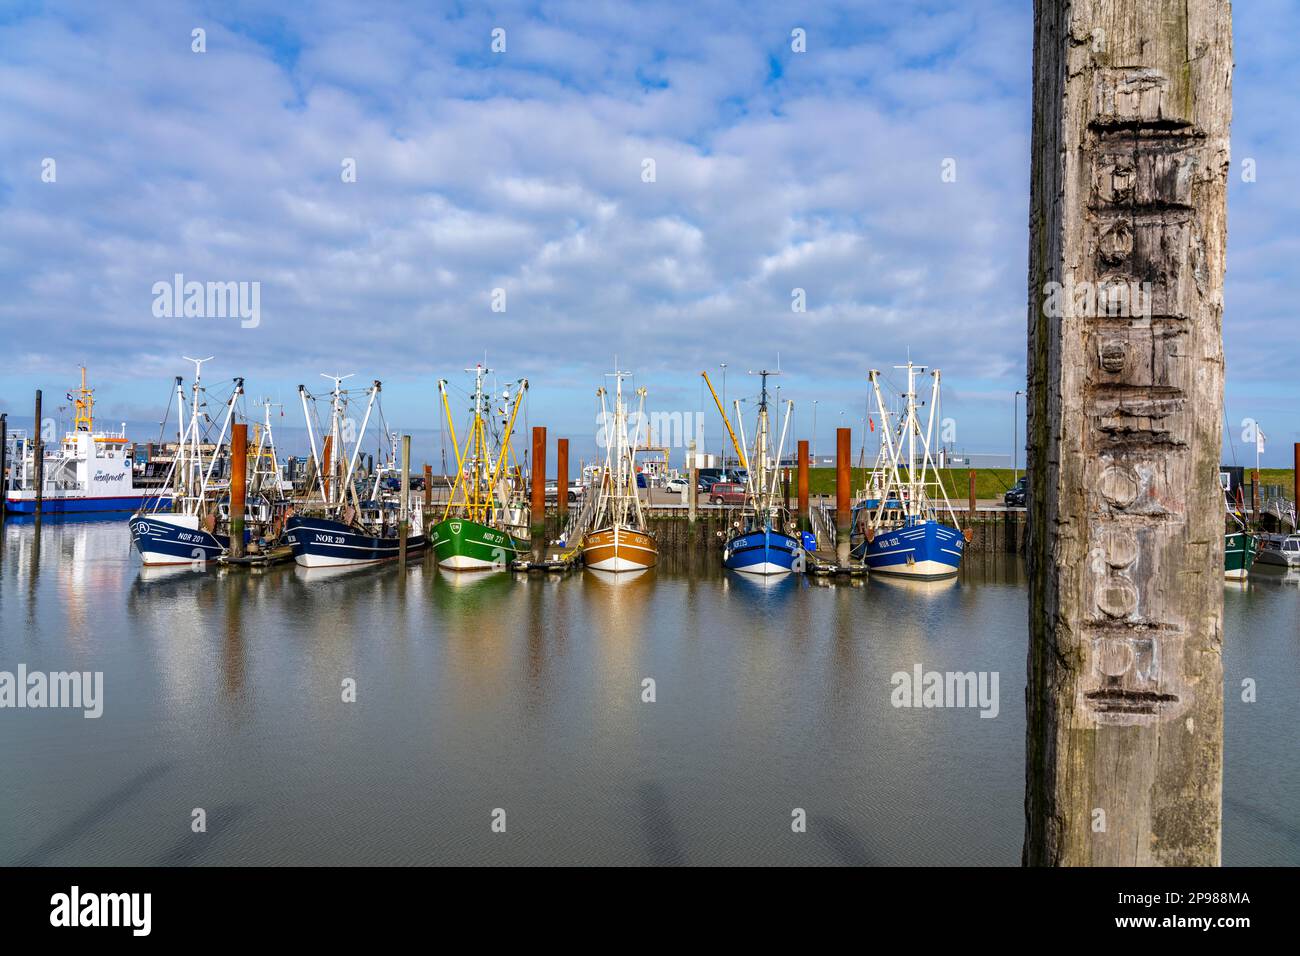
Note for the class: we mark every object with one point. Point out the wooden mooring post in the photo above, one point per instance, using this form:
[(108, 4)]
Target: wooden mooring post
[(238, 486), (802, 483), (1124, 730), (843, 507), (539, 493), (562, 478), (404, 505), (38, 460), (4, 461)]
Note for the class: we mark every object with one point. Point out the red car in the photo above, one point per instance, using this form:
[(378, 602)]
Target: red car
[(727, 493)]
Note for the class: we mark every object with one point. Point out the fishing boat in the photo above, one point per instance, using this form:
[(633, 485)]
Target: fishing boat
[(618, 539), (188, 529), (484, 526), (762, 538), (899, 526), (88, 472), (348, 519), (1239, 543), (1279, 550)]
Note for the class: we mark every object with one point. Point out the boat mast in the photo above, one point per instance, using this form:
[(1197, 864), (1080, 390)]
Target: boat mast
[(194, 460)]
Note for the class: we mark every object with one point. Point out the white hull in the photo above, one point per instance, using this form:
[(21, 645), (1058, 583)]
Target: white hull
[(1236, 575), (763, 567), (327, 561), (618, 563)]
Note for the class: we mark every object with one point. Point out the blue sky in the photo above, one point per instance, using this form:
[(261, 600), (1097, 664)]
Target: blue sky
[(523, 171)]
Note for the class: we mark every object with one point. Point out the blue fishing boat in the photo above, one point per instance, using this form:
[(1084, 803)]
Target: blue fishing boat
[(320, 542), (763, 539), (906, 526), (189, 529), (764, 551), (353, 521)]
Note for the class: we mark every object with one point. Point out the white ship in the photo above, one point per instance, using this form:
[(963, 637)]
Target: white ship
[(89, 471)]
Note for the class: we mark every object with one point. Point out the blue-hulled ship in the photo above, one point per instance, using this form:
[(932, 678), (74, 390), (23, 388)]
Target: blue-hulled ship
[(189, 529), (905, 525), (353, 521), (763, 539)]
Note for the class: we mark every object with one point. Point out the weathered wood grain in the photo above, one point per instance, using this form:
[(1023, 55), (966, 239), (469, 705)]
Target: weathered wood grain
[(1131, 108)]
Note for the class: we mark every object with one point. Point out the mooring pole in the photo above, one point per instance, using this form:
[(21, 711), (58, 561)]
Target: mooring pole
[(238, 486), (1124, 729), (539, 493), (693, 478), (803, 486), (1254, 492), (843, 451), (1295, 487), (404, 505), (562, 477), (38, 459), (970, 505), (428, 493), (4, 462)]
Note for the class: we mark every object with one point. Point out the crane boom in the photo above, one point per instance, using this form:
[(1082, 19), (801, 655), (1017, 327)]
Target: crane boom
[(740, 452)]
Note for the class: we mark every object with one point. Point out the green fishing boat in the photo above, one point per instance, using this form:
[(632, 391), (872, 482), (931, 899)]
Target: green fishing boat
[(484, 526), (465, 545), (1239, 548)]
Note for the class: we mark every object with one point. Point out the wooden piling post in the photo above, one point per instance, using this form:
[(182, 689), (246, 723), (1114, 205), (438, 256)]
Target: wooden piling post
[(843, 453), (404, 505), (539, 493), (1124, 730), (693, 479), (562, 477), (1295, 486), (4, 462), (1254, 493), (38, 459), (970, 505), (428, 493), (238, 486), (803, 486)]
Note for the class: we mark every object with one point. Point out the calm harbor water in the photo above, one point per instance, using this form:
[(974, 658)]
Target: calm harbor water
[(223, 691)]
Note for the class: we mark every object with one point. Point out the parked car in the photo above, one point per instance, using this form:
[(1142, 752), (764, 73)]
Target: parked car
[(552, 491), (727, 493), (676, 486), (1015, 496)]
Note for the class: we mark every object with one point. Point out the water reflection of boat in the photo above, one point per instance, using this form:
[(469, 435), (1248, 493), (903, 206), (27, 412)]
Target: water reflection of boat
[(472, 580), (922, 587), (617, 578), (1274, 573), (335, 572)]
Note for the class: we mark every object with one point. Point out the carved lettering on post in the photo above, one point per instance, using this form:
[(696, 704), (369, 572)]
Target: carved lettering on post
[(1130, 163)]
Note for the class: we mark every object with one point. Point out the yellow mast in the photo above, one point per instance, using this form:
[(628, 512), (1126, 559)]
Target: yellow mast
[(85, 406), (740, 452)]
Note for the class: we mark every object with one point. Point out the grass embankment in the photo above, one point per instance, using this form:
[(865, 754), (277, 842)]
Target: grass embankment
[(993, 482), (989, 482)]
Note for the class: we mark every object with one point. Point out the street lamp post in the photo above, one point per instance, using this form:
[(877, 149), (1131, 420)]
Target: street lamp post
[(814, 434), (724, 405)]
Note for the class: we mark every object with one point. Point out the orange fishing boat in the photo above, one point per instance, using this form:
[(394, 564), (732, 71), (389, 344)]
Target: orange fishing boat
[(619, 539)]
